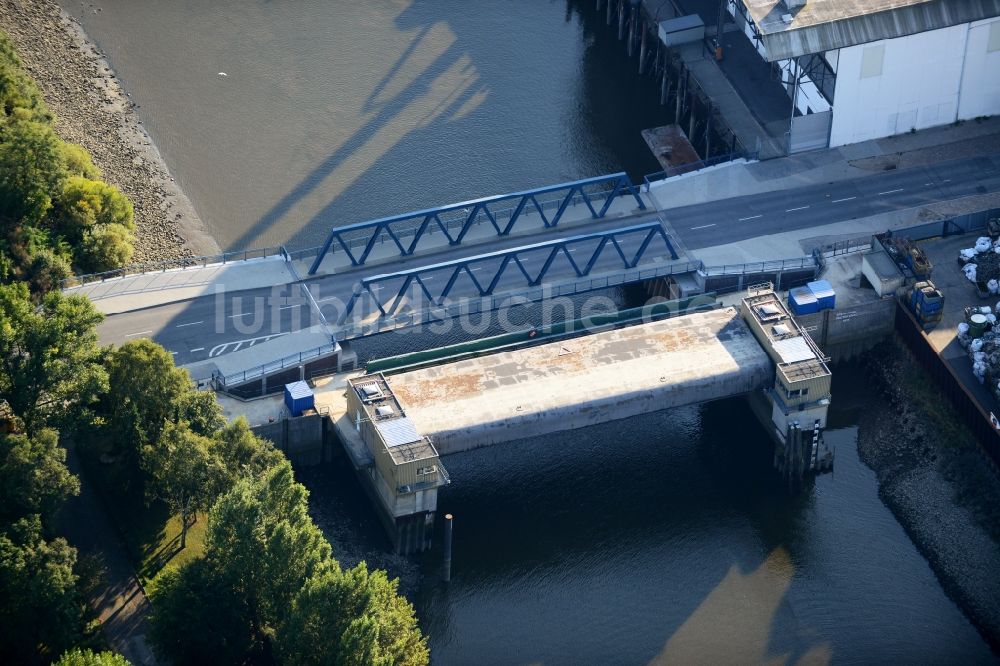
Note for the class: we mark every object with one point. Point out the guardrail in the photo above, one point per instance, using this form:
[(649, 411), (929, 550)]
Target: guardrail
[(169, 264), (760, 267), (290, 361)]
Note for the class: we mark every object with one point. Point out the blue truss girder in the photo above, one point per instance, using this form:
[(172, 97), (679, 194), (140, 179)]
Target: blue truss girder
[(617, 184), (550, 250)]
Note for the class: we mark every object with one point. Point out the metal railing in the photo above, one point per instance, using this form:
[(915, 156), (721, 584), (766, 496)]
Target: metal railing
[(170, 264), (290, 361), (474, 306), (760, 267)]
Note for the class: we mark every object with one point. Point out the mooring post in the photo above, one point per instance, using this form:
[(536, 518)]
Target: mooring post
[(448, 527), (677, 108), (642, 49)]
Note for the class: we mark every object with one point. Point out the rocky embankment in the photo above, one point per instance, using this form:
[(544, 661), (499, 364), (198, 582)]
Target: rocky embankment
[(92, 110), (934, 480)]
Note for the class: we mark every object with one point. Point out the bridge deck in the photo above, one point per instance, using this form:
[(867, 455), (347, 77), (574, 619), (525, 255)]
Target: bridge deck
[(597, 378)]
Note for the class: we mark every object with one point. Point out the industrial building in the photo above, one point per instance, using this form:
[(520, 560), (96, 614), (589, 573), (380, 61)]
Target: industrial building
[(863, 69), (407, 470)]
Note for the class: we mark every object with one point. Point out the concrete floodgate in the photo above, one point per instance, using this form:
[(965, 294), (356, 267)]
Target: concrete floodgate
[(584, 381)]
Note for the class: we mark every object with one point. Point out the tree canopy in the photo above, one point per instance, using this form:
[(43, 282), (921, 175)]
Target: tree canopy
[(33, 476), (78, 657), (352, 618), (41, 610), (55, 212), (49, 359)]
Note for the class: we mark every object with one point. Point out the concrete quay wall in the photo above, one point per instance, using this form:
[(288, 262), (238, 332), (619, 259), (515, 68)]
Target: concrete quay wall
[(572, 384)]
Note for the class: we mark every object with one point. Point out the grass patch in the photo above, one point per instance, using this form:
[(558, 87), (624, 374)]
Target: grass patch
[(151, 534)]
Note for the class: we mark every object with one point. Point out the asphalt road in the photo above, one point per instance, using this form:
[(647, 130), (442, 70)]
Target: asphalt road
[(209, 326), (739, 218), (212, 325)]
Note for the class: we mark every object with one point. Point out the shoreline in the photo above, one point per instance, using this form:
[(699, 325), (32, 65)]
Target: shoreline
[(936, 485), (92, 109)]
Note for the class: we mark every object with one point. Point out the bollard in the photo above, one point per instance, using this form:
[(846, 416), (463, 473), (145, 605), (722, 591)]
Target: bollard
[(448, 527)]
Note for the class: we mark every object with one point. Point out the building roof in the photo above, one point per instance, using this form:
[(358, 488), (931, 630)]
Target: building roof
[(826, 25), (397, 431)]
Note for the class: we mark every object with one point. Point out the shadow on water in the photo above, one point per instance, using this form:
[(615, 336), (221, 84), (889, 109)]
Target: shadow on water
[(438, 111), (668, 538)]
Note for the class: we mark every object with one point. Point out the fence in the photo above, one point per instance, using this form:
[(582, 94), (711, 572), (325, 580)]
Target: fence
[(169, 264), (260, 371)]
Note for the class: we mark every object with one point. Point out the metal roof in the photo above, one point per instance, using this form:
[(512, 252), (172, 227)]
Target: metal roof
[(298, 390), (826, 25), (793, 350), (396, 432)]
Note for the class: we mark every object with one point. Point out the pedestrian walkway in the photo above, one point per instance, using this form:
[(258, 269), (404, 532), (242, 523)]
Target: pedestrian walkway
[(120, 604), (736, 179)]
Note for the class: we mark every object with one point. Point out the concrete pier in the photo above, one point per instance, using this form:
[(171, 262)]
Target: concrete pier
[(571, 384)]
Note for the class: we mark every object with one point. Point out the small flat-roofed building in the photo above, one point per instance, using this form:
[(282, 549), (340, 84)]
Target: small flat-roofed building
[(408, 469), (802, 381), (863, 69)]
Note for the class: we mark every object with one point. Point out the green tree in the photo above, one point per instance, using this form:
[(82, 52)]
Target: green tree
[(201, 411), (145, 391), (242, 454), (84, 203), (34, 478), (17, 90), (262, 545), (46, 271), (78, 657), (49, 359), (78, 161), (105, 247), (32, 168), (352, 618), (183, 472), (40, 610), (198, 618)]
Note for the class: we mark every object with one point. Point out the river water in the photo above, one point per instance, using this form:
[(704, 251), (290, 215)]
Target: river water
[(662, 538)]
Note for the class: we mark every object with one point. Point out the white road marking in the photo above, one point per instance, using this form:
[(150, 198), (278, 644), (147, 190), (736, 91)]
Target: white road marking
[(752, 217), (173, 353), (193, 323), (792, 210), (129, 335), (704, 226), (892, 191), (197, 349), (946, 180), (239, 314), (844, 199), (287, 307)]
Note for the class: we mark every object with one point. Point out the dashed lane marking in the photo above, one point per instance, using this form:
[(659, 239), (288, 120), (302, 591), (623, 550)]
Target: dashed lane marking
[(752, 217), (197, 349), (844, 199), (900, 189), (704, 226), (130, 335), (193, 323), (792, 210)]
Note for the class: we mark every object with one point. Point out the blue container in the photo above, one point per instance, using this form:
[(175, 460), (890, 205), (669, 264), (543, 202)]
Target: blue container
[(298, 398), (802, 301), (824, 293)]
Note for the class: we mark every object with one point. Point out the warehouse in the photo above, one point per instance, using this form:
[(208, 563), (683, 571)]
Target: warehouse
[(857, 70)]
